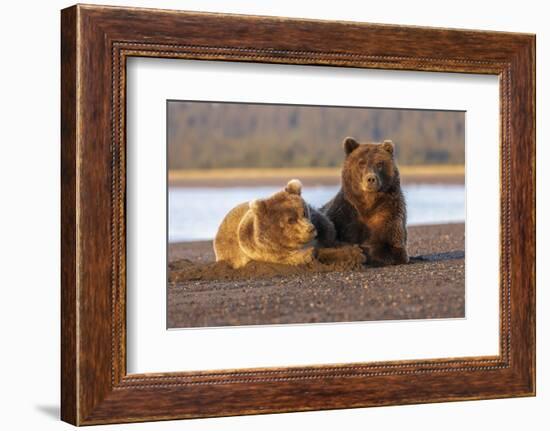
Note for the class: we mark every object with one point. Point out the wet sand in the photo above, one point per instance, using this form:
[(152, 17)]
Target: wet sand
[(337, 289)]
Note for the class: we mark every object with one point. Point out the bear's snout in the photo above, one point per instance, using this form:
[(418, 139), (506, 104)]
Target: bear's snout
[(371, 182), (310, 232)]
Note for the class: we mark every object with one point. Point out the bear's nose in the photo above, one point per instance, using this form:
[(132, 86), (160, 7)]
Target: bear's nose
[(371, 179)]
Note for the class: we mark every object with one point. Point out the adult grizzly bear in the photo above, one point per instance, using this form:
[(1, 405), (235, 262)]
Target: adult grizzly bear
[(369, 209), (279, 229)]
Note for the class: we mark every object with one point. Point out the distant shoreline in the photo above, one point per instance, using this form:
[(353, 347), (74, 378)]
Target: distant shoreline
[(433, 174)]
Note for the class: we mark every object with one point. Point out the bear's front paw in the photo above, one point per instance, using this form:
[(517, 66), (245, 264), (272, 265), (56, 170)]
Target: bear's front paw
[(309, 255), (402, 256), (357, 254), (351, 255), (300, 257)]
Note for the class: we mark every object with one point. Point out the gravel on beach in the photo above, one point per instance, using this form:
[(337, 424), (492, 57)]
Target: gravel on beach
[(339, 288)]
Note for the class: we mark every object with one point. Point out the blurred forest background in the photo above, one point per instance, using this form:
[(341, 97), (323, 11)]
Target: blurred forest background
[(206, 135)]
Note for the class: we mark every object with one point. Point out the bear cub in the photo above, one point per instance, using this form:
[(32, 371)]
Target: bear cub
[(369, 209), (278, 229)]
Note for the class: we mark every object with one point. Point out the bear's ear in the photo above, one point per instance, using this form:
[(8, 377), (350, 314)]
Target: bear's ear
[(256, 205), (388, 146), (350, 144), (294, 187)]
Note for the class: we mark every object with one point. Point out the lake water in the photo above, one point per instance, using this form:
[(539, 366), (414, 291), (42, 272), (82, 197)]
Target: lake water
[(194, 213)]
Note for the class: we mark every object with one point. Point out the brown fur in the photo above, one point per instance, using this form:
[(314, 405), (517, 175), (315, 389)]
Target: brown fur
[(369, 209), (276, 229)]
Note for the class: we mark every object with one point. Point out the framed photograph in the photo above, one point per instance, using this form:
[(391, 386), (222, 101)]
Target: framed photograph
[(264, 214)]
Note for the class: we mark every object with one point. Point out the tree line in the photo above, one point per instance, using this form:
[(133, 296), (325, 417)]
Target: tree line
[(204, 135)]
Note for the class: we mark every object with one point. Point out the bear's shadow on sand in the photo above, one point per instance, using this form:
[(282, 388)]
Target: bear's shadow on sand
[(348, 258), (438, 257)]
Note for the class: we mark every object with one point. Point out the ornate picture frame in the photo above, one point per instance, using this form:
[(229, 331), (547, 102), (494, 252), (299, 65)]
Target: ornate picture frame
[(96, 41)]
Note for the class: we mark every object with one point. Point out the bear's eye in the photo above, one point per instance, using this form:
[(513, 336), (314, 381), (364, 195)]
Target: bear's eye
[(380, 165), (292, 220)]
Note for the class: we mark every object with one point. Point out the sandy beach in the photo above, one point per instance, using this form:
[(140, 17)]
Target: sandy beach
[(437, 174), (203, 293)]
